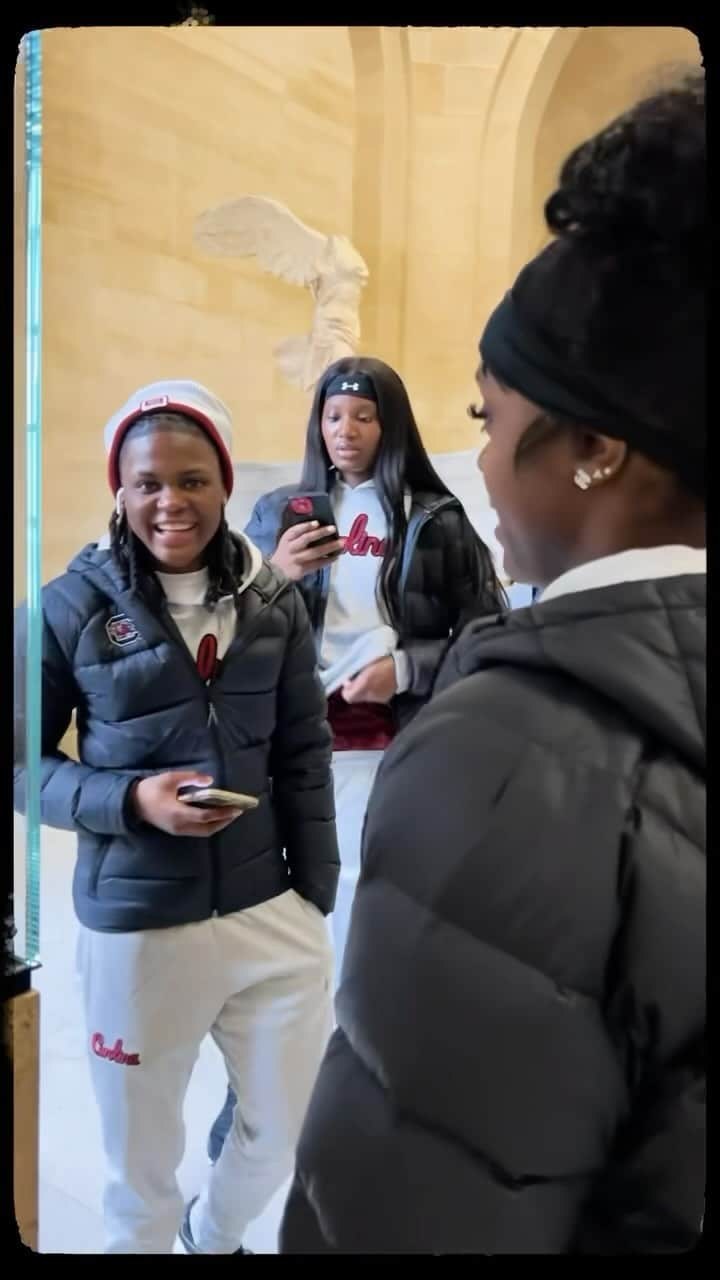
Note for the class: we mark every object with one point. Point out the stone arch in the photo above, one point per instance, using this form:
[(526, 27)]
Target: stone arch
[(607, 70), (523, 86), (380, 180)]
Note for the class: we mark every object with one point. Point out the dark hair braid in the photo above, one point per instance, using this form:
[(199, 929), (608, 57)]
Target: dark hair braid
[(129, 554), (223, 568)]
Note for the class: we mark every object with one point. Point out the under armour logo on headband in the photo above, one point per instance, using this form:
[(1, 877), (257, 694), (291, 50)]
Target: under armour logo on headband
[(354, 384)]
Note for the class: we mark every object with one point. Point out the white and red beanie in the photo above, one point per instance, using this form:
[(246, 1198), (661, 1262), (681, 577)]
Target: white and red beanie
[(190, 398)]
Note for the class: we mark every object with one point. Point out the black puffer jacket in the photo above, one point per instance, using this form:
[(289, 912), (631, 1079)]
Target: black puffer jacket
[(143, 708), (442, 582), (519, 1065)]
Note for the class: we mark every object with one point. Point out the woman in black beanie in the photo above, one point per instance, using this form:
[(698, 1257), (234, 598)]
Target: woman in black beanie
[(519, 1065)]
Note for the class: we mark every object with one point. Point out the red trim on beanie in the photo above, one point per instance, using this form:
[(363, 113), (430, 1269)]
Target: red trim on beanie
[(172, 406)]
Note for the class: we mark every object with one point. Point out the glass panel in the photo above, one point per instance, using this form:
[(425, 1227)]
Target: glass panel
[(15, 922), (28, 668)]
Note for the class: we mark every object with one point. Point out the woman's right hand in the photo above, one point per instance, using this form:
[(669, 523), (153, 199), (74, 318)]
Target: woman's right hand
[(155, 801), (296, 555)]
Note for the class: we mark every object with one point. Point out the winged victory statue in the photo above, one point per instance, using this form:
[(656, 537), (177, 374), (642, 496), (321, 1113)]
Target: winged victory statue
[(328, 266)]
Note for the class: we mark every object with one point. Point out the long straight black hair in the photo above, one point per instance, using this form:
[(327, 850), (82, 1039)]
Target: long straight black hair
[(401, 464)]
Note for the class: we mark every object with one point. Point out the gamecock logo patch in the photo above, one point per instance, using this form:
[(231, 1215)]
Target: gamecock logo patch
[(121, 630)]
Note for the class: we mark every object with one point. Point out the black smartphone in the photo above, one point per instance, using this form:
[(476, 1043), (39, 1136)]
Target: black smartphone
[(304, 507)]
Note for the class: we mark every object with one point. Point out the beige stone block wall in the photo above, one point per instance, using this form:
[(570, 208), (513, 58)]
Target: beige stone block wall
[(145, 128), (433, 148)]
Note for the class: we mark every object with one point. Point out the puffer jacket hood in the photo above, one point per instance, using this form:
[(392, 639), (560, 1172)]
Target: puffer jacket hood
[(639, 644)]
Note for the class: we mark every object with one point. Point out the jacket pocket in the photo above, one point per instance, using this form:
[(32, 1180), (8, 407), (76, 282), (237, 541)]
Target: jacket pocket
[(98, 860)]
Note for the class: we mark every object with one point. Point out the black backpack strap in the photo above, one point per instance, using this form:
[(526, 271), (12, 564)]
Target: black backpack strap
[(423, 510)]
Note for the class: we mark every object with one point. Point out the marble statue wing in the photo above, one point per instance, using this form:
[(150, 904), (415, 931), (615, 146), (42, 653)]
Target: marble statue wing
[(328, 266), (256, 226)]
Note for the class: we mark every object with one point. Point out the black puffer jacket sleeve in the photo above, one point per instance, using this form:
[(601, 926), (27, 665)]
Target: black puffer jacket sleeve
[(468, 583), (72, 795), (300, 768)]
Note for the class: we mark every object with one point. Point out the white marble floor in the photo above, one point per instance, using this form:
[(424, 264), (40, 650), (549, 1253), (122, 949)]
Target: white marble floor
[(71, 1159)]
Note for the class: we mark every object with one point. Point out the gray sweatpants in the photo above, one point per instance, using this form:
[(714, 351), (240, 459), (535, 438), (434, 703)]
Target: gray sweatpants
[(260, 983), (353, 775)]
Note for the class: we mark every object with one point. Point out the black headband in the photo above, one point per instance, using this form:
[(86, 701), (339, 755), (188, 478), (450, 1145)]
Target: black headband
[(522, 359), (351, 384)]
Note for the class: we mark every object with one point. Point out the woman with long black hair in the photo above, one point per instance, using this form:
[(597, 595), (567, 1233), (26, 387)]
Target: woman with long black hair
[(405, 571), (401, 574)]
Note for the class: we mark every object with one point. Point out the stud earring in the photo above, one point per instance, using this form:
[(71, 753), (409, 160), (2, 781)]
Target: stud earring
[(601, 473), (582, 479)]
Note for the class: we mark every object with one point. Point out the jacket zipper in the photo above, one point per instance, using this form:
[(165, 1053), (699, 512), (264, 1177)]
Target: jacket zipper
[(212, 723), (212, 720)]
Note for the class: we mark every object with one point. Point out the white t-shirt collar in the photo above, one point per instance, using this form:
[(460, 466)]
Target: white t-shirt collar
[(638, 565), (190, 588)]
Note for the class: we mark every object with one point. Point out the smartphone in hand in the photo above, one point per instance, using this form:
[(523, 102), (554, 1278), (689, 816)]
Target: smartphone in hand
[(200, 797), (305, 507)]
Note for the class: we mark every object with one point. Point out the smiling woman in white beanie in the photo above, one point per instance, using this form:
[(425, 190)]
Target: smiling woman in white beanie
[(188, 660)]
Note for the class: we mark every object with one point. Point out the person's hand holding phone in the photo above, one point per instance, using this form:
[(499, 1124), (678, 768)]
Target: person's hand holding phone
[(296, 553), (156, 802)]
